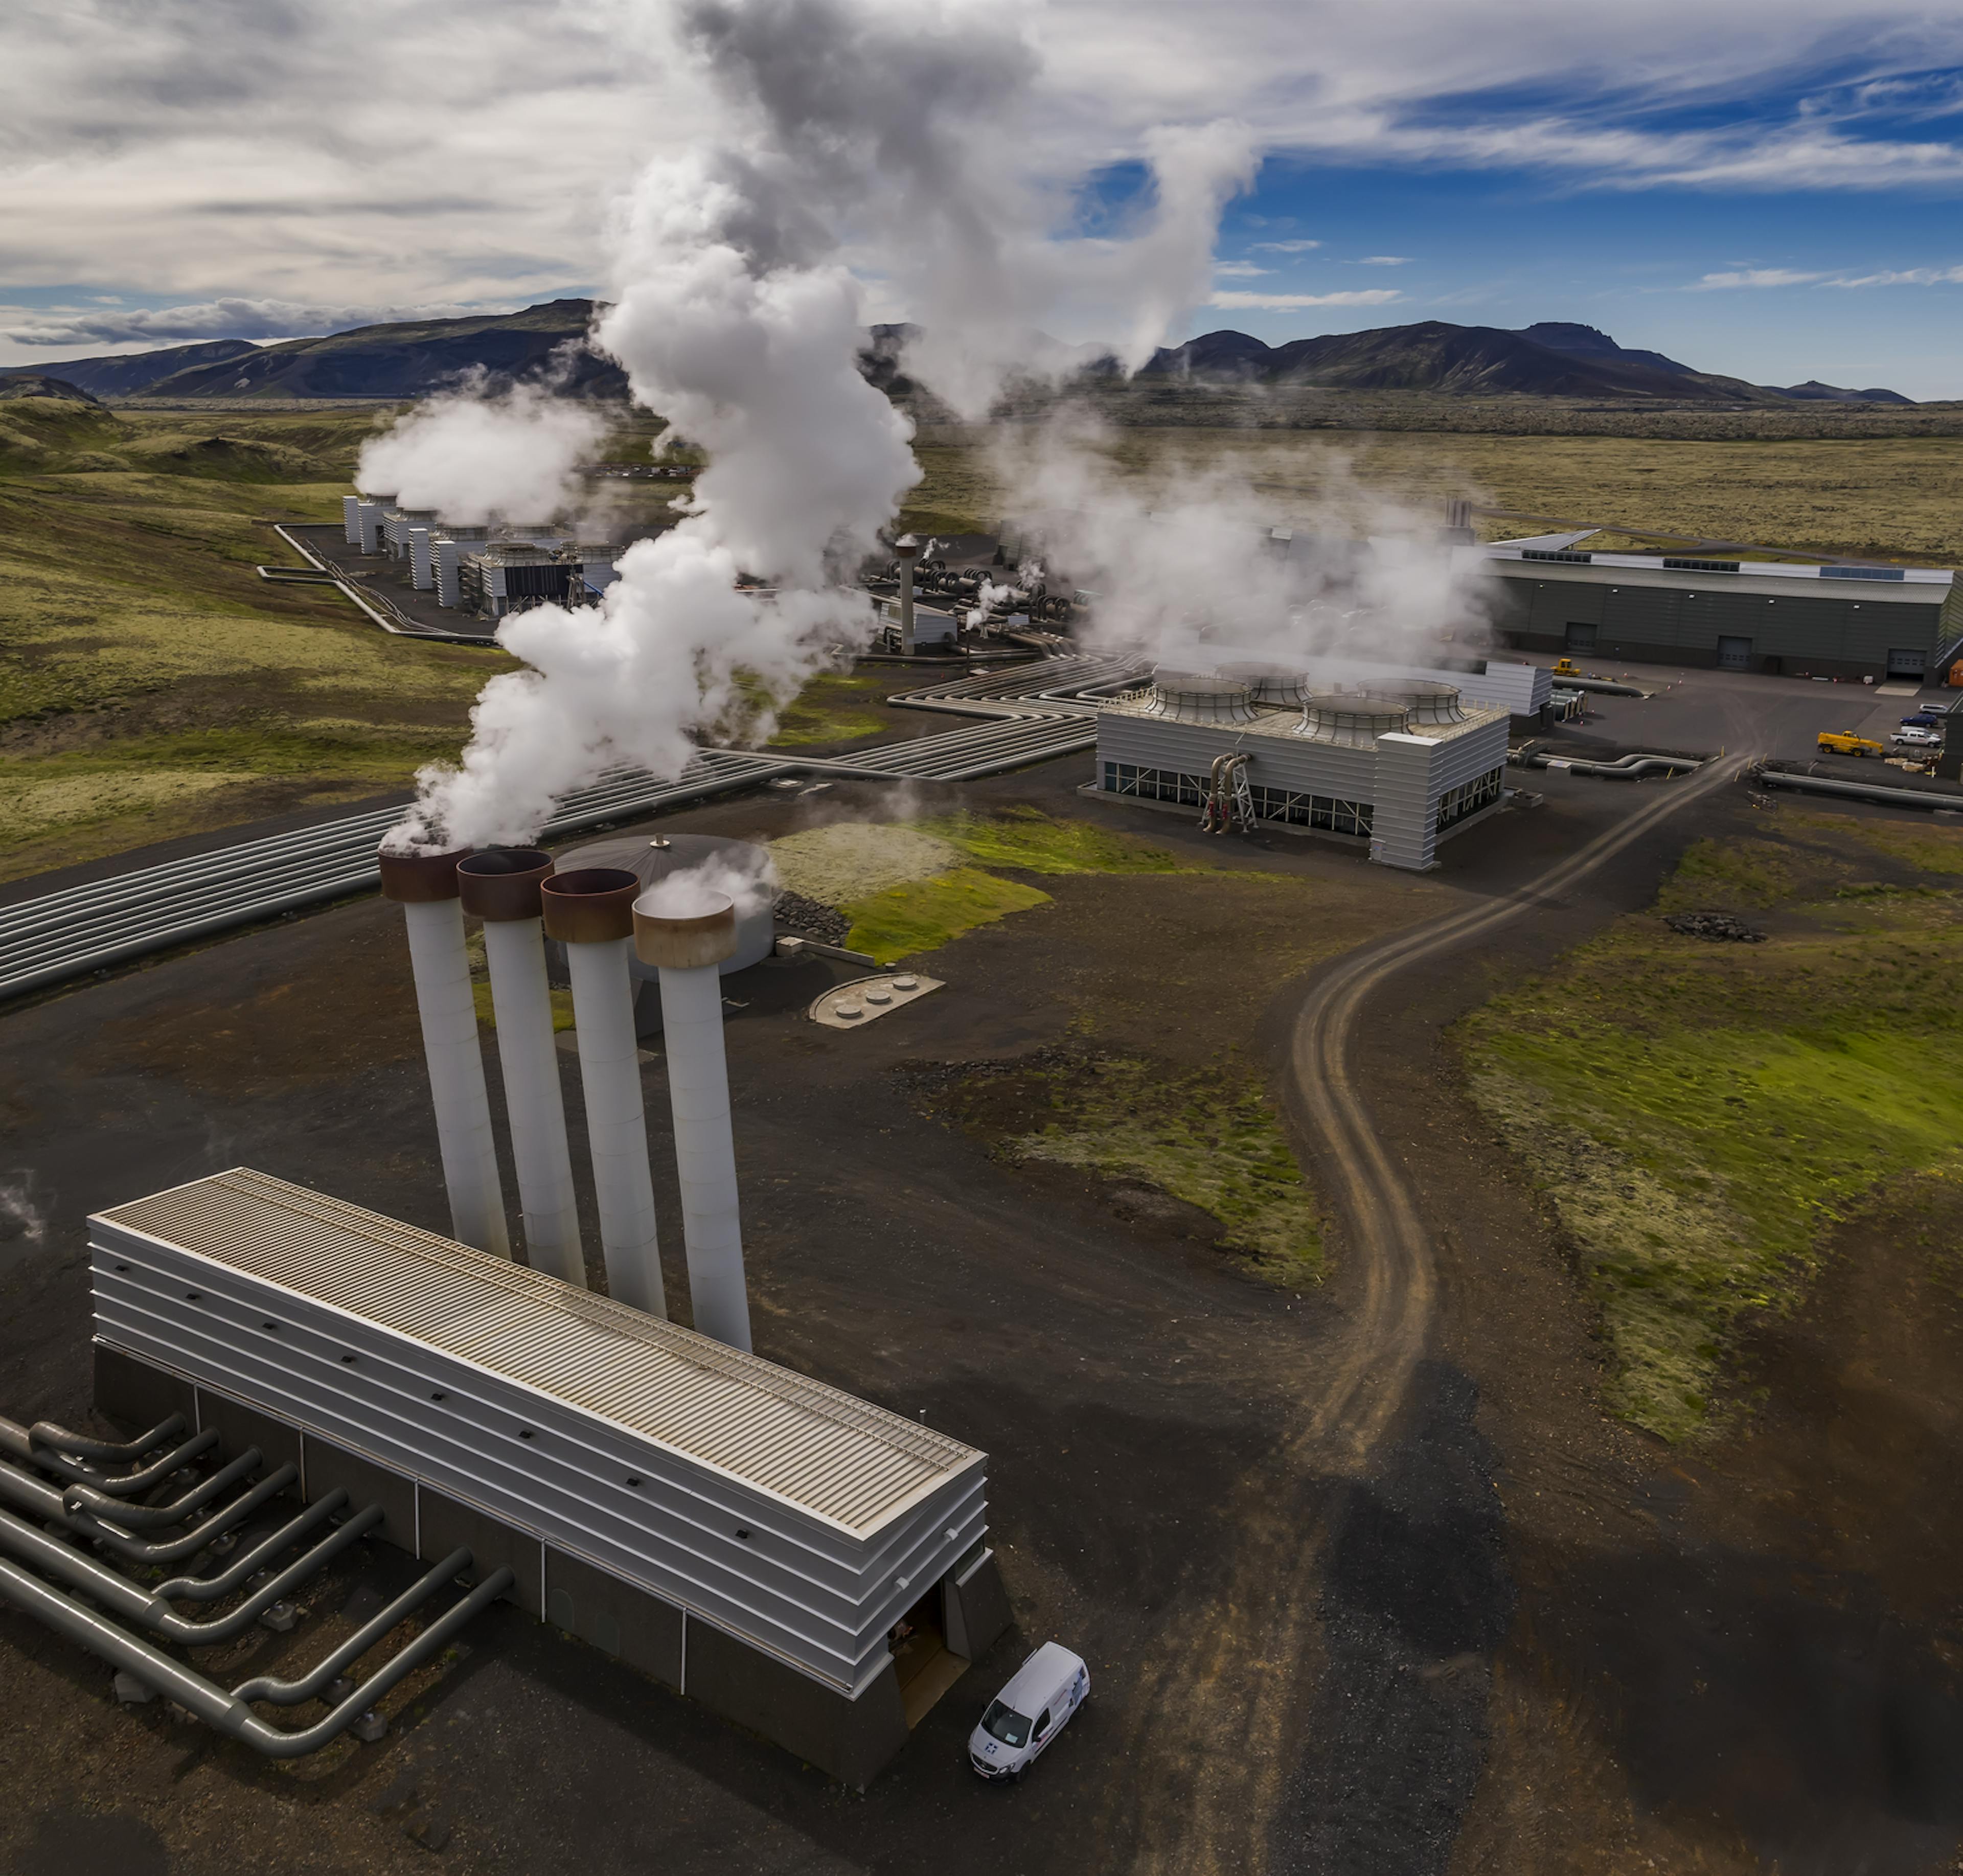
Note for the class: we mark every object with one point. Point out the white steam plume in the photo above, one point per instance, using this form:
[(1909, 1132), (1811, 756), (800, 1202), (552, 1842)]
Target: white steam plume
[(476, 458), (1186, 569), (850, 132), (701, 889)]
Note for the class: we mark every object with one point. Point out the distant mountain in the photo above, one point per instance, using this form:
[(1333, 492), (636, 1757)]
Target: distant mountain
[(1813, 390), (1553, 359), (1466, 360), (1586, 341), (130, 374), (411, 358), (1214, 358), (34, 384)]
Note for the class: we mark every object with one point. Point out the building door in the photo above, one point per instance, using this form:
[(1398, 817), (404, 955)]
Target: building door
[(1735, 654), (1580, 639), (1907, 664)]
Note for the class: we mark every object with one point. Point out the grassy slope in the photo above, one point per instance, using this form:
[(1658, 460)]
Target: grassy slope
[(924, 914), (150, 683), (1885, 494), (1210, 1136), (1698, 1114)]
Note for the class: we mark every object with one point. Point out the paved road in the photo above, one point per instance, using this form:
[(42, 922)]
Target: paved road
[(1238, 1674)]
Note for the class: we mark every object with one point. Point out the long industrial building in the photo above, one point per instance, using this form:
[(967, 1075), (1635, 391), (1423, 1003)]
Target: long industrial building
[(1399, 764), (1775, 617), (810, 1565)]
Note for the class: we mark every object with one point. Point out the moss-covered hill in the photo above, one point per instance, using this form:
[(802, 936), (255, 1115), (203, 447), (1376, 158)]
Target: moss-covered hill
[(1700, 1115)]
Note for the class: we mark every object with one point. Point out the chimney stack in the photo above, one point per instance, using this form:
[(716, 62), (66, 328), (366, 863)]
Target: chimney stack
[(502, 888), (425, 886), (685, 935), (908, 548), (591, 911)]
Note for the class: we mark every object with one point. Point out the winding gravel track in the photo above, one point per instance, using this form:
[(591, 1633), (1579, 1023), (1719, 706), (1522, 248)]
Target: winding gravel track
[(1233, 1670)]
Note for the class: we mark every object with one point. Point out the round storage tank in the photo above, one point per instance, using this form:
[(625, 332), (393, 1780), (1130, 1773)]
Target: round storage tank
[(1277, 686), (1354, 718), (1200, 697), (1427, 702), (653, 859)]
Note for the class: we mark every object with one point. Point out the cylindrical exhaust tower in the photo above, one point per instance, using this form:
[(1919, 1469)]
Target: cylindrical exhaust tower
[(425, 886), (908, 548), (501, 888), (591, 911), (686, 932)]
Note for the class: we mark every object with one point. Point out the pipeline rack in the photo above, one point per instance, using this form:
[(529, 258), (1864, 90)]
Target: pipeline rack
[(112, 1497)]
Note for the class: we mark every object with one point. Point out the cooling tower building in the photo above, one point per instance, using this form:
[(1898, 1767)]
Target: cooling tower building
[(1399, 765)]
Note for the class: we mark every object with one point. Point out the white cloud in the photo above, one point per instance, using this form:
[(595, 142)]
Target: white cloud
[(1907, 277), (212, 319), (1282, 303), (1384, 260), (472, 148), (1239, 269), (1755, 276)]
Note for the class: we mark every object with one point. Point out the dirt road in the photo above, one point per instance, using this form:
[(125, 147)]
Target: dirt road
[(1237, 1673)]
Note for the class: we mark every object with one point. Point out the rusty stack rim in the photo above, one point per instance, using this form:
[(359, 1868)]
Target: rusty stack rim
[(591, 905), (420, 878), (683, 944), (502, 884)]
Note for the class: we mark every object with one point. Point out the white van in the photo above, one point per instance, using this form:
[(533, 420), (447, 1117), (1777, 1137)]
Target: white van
[(1028, 1713)]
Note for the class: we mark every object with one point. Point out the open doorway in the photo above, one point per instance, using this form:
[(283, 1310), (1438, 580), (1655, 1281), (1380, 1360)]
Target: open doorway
[(923, 1663)]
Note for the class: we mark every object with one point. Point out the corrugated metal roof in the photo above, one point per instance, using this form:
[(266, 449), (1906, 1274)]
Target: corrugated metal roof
[(821, 1449)]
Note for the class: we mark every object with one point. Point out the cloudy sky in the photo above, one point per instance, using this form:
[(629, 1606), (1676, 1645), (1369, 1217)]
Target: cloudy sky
[(1769, 191)]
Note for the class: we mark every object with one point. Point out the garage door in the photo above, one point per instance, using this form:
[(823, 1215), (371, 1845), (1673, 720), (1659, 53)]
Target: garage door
[(1905, 664), (1735, 654), (1580, 639)]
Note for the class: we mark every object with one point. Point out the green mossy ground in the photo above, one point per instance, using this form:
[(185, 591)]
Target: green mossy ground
[(1210, 1137), (834, 707), (922, 915), (1700, 1115), (1030, 840), (152, 685)]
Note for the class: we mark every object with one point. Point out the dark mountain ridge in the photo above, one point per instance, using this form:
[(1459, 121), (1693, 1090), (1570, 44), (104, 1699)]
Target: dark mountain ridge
[(1553, 359), (402, 359), (547, 343), (130, 374)]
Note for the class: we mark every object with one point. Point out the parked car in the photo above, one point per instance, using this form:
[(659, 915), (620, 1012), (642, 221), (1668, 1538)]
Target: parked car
[(1917, 739), (1923, 719), (1028, 1713)]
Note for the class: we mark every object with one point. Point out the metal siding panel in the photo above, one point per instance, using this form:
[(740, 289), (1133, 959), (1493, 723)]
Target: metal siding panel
[(1872, 632), (1557, 604), (1641, 615), (835, 1522)]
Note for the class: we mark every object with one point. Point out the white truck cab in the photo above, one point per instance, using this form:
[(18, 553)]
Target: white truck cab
[(1028, 1713)]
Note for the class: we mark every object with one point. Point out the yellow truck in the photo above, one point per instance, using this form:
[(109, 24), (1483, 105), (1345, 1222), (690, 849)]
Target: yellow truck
[(1564, 667), (1844, 742)]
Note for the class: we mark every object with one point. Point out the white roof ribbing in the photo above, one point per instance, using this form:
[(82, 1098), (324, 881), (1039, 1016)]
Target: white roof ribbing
[(836, 1457)]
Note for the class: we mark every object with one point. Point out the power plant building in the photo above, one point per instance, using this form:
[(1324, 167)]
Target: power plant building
[(1775, 617), (1400, 764), (810, 1565), (739, 1531)]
